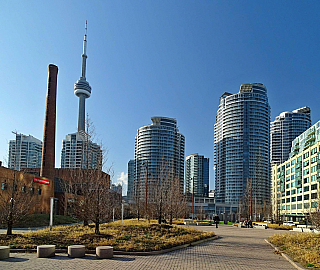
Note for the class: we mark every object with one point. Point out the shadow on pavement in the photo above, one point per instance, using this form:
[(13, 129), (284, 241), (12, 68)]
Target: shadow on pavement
[(91, 257), (124, 259), (59, 257), (13, 259)]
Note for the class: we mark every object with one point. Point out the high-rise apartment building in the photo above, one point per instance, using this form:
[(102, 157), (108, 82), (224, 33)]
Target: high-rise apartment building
[(286, 127), (78, 151), (159, 147), (295, 182), (197, 175), (130, 179), (241, 144), (24, 152)]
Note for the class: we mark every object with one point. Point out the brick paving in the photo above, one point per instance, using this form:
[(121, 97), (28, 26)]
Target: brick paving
[(235, 249)]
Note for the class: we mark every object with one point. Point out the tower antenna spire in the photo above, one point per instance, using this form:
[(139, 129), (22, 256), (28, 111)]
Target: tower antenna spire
[(84, 54), (82, 89)]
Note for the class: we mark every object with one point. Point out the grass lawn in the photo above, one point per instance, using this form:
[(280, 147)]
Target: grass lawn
[(39, 220), (132, 235), (301, 247)]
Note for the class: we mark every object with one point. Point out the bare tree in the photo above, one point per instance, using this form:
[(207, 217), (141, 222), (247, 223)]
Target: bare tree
[(315, 213), (16, 198), (88, 188), (138, 201), (176, 203), (245, 201)]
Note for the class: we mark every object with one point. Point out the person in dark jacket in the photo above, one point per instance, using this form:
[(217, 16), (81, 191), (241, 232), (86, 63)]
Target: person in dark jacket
[(216, 220)]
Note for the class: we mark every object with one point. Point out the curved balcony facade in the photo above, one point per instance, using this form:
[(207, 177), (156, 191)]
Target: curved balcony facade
[(241, 144), (162, 146)]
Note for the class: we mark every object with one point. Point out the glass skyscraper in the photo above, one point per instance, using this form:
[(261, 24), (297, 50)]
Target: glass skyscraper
[(78, 151), (286, 127), (130, 180), (241, 144), (158, 146), (197, 175), (24, 152)]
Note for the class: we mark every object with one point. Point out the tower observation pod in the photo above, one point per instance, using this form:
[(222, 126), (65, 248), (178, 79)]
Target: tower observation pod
[(82, 89)]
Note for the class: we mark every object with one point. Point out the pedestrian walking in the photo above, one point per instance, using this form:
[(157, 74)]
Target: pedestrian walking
[(216, 220)]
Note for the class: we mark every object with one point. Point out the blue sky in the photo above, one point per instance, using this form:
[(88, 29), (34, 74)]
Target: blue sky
[(153, 58)]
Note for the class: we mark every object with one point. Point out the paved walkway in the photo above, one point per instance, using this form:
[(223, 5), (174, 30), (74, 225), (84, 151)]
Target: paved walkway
[(235, 249)]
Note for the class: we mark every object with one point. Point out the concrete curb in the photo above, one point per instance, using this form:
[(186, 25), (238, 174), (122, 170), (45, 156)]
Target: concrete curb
[(285, 256), (139, 253)]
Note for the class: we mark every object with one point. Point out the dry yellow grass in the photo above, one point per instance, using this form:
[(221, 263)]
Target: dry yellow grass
[(301, 247), (279, 227), (132, 235)]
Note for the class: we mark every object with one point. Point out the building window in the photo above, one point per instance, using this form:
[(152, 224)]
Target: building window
[(288, 193), (305, 155), (313, 178), (306, 205), (306, 188), (293, 199), (306, 197), (288, 200), (306, 171), (283, 201), (313, 195), (293, 192), (23, 189), (313, 151), (306, 180), (313, 169), (299, 205), (31, 190), (4, 186), (294, 206), (314, 186), (39, 191), (299, 198), (288, 207), (314, 204), (288, 165), (306, 163)]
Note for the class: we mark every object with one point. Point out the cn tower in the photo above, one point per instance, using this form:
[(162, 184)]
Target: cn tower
[(82, 89)]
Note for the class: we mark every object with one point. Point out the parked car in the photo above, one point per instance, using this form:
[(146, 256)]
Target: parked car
[(289, 223)]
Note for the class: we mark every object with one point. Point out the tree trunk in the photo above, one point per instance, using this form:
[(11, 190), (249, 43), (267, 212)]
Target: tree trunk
[(85, 222), (97, 227), (160, 214), (9, 225)]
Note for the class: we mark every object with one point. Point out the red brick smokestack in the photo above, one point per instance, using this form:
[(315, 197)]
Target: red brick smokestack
[(49, 133)]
